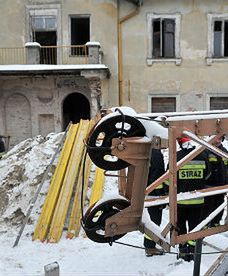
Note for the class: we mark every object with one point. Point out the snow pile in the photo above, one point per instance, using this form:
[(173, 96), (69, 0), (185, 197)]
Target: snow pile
[(21, 172)]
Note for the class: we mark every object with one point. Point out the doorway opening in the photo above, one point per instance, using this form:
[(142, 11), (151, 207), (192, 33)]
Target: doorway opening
[(48, 55), (75, 107)]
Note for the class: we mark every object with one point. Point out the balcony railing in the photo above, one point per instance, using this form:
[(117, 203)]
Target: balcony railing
[(15, 55), (73, 54)]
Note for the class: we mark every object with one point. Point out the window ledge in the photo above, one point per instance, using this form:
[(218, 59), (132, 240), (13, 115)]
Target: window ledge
[(177, 61), (210, 60)]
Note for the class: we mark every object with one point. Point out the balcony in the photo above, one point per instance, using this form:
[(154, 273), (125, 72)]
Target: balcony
[(34, 53), (34, 59)]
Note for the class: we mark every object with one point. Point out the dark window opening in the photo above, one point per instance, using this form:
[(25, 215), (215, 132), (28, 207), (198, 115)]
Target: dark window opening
[(75, 107), (218, 103), (80, 33), (164, 38), (220, 39), (156, 39), (226, 39), (163, 104), (48, 55)]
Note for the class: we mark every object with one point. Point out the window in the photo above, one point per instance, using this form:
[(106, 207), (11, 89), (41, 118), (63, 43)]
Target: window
[(218, 103), (163, 38), (217, 38), (80, 33), (44, 23), (44, 32), (220, 38), (159, 104)]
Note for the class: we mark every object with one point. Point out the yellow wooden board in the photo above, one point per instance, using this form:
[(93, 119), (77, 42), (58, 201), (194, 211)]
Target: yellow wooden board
[(44, 221), (97, 189), (62, 205), (75, 216)]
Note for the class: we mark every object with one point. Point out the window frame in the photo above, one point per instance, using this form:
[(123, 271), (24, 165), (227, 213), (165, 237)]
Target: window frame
[(69, 31), (214, 95), (150, 18), (45, 10), (160, 95), (44, 19), (211, 18)]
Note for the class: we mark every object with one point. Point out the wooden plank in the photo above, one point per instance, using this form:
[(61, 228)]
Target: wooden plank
[(68, 184), (44, 221), (97, 190), (75, 216)]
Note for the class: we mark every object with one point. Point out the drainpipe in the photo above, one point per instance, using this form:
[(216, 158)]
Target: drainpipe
[(120, 57)]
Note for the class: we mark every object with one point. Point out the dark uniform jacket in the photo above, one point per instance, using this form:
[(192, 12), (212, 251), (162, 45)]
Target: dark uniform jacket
[(218, 167), (157, 168), (193, 175)]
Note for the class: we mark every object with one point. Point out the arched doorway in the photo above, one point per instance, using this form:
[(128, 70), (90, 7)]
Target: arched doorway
[(75, 107)]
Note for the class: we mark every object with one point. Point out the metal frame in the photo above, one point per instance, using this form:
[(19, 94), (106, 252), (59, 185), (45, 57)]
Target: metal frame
[(136, 151)]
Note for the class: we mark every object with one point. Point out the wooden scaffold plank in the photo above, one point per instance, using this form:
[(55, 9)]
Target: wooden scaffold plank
[(62, 205), (76, 212), (44, 221)]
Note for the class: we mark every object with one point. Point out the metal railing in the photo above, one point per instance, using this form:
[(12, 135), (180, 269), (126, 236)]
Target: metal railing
[(14, 55), (72, 54)]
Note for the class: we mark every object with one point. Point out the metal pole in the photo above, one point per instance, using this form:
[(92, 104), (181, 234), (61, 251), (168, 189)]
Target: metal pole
[(197, 259)]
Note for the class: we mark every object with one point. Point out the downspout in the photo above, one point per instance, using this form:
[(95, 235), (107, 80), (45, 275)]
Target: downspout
[(120, 57)]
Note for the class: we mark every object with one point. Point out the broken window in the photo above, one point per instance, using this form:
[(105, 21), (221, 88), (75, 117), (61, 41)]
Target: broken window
[(163, 104), (163, 38), (80, 34), (218, 103), (44, 23), (220, 28), (44, 32)]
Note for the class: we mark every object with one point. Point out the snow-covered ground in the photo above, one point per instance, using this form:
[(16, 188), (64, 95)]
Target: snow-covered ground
[(20, 173)]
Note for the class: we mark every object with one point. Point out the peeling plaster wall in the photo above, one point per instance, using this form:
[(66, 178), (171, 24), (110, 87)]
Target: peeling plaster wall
[(193, 81), (103, 23), (44, 96)]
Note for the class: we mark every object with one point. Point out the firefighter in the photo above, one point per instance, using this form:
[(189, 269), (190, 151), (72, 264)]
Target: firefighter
[(218, 177), (190, 177), (157, 168)]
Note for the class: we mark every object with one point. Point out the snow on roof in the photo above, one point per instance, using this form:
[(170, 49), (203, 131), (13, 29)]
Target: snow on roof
[(32, 44), (183, 113), (47, 67), (198, 117), (93, 43)]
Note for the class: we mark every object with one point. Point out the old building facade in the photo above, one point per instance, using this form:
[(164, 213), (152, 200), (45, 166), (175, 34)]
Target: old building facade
[(154, 56)]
